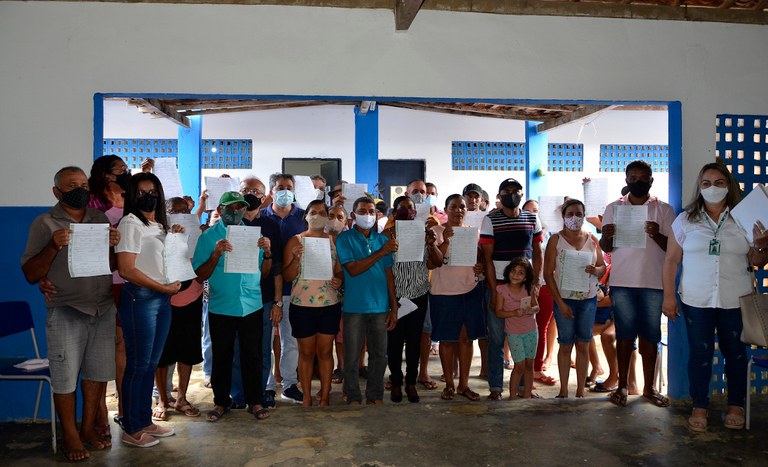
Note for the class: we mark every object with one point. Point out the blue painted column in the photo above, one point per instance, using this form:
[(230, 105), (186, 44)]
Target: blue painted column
[(367, 148), (536, 152), (98, 126), (677, 339), (191, 156)]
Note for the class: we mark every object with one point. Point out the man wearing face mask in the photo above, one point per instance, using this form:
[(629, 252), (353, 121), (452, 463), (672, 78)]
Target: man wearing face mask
[(235, 310), (80, 324), (431, 200), (290, 219), (318, 181), (253, 193), (636, 281), (506, 233), (370, 303)]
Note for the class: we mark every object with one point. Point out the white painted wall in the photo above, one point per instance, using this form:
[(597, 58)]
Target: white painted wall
[(56, 55)]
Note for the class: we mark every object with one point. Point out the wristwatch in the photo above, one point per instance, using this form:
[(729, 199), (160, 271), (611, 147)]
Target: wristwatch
[(279, 303)]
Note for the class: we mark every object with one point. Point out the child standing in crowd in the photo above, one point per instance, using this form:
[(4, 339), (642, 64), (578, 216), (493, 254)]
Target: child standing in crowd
[(518, 308)]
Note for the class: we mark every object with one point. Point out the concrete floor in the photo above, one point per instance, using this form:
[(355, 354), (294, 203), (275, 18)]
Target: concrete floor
[(434, 432)]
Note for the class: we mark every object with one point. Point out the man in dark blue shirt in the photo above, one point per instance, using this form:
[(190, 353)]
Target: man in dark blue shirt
[(290, 220)]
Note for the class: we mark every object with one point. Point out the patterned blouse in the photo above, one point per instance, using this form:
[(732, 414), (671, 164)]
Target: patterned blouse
[(314, 293)]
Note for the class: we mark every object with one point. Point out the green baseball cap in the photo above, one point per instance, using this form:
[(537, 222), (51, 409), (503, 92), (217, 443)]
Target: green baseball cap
[(231, 197)]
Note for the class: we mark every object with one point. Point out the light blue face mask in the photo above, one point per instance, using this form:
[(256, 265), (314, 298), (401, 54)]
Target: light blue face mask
[(284, 198), (431, 200)]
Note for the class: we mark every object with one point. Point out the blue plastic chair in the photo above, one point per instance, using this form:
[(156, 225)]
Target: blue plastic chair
[(762, 362), (16, 318)]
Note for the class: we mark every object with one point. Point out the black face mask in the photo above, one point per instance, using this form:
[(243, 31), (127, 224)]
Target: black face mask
[(253, 202), (511, 200), (147, 203), (77, 198), (123, 179), (639, 189)]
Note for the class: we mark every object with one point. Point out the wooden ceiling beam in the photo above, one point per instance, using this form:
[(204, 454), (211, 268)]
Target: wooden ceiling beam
[(583, 112), (455, 111), (161, 109), (405, 12), (222, 110)]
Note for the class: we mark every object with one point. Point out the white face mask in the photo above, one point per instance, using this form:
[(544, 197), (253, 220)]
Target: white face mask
[(319, 194), (317, 221), (365, 221), (714, 194), (573, 223), (334, 226), (417, 198)]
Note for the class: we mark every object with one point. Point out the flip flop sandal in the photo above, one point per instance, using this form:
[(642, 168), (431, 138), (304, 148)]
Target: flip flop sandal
[(429, 385), (545, 380), (659, 400), (470, 394), (214, 415), (260, 414), (337, 377), (495, 396), (189, 410), (618, 398), (69, 454), (600, 387), (160, 414), (447, 394), (104, 431), (735, 421), (697, 424)]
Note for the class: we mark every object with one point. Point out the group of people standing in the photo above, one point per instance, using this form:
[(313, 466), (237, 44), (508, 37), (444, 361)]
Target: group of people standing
[(508, 295)]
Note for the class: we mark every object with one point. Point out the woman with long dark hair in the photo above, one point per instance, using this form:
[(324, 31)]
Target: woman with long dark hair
[(145, 309)]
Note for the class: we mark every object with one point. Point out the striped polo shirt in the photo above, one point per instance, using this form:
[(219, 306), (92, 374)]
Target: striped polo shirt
[(511, 237)]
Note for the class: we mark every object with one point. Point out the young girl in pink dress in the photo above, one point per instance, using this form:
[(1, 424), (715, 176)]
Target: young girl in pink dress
[(515, 304)]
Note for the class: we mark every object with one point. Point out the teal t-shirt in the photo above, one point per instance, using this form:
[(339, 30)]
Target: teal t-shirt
[(367, 291)]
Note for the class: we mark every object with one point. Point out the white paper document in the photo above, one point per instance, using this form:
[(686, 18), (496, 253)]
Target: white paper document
[(33, 364), (572, 270), (422, 212), (191, 225), (406, 307), (596, 196), (176, 263), (88, 252), (304, 190), (316, 261), (630, 226), (216, 187), (549, 213), (352, 191), (244, 257), (165, 169), (463, 248), (475, 218), (410, 241), (753, 208)]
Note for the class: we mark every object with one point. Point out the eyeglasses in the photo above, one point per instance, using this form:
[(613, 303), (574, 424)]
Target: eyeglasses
[(120, 170), (142, 193), (252, 191)]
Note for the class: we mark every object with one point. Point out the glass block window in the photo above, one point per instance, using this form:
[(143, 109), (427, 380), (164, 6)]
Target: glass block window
[(217, 153), (615, 157), (486, 155), (565, 157)]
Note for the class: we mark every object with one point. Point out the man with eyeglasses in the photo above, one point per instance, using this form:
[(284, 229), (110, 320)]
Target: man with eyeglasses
[(252, 190), (234, 310), (290, 219)]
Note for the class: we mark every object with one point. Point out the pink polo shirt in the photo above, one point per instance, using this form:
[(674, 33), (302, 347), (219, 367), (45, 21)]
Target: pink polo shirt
[(640, 267)]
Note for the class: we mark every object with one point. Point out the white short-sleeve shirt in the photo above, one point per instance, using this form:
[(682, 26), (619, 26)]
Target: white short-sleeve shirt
[(712, 281), (147, 241)]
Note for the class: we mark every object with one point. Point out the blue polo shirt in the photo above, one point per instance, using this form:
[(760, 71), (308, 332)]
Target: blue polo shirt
[(232, 294), (367, 291), (290, 225)]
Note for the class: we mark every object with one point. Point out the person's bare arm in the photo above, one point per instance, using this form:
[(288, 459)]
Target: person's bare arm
[(126, 266), (669, 275), (360, 266), (38, 266)]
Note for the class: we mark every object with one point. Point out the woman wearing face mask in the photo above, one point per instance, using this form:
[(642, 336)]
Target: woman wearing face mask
[(717, 259), (337, 223), (315, 306), (412, 283), (145, 309), (574, 309), (456, 304)]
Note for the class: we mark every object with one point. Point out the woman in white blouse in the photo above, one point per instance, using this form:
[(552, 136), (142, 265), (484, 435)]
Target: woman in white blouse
[(716, 259)]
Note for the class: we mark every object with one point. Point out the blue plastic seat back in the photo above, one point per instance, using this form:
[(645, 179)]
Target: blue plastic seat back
[(15, 317)]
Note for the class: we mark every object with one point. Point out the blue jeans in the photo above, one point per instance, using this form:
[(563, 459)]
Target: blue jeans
[(145, 316), (496, 338), (266, 357), (206, 343), (578, 328), (700, 326), (637, 313)]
